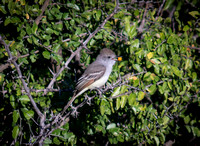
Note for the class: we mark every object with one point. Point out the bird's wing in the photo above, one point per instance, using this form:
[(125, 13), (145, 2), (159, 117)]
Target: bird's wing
[(91, 74)]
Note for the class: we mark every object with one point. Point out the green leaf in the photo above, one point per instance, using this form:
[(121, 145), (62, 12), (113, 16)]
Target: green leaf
[(1, 78), (188, 64), (196, 131), (15, 116), (12, 101), (188, 128), (102, 107), (170, 85), (74, 6), (57, 132), (86, 15), (155, 61), (46, 54), (150, 55), (49, 31), (176, 71), (194, 76), (46, 37), (134, 45), (33, 58), (127, 24), (92, 41), (157, 69), (47, 141), (98, 15), (131, 99), (165, 120), (7, 21), (59, 26), (168, 4), (15, 132), (187, 119), (141, 95), (116, 91), (65, 15), (149, 44), (123, 89), (194, 14), (15, 20), (136, 82), (22, 2), (34, 28), (132, 31), (147, 77), (58, 58), (2, 9), (117, 103), (28, 114), (30, 40), (99, 128), (172, 39), (24, 98), (152, 89), (137, 67), (56, 47), (35, 40), (157, 140), (56, 141), (98, 36), (160, 121), (186, 28), (123, 100), (110, 126)]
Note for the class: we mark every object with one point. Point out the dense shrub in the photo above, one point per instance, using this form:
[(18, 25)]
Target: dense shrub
[(152, 96)]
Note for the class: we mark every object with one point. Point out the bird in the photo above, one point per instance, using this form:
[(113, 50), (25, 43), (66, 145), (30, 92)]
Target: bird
[(96, 74)]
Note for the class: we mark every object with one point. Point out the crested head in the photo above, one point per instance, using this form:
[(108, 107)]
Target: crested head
[(106, 51), (106, 57)]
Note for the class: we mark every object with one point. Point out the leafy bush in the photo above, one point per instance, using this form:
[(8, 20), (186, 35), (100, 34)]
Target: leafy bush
[(152, 96)]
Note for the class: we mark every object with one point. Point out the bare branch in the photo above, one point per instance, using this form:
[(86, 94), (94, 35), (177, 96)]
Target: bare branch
[(191, 47), (160, 8), (46, 3), (6, 65), (20, 77), (140, 29)]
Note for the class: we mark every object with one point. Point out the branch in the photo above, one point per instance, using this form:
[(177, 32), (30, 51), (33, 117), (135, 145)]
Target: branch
[(160, 8), (191, 47), (140, 29), (20, 77), (6, 65), (46, 3)]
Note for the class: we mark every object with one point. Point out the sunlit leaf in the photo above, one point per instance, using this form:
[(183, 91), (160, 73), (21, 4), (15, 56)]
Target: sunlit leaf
[(15, 132)]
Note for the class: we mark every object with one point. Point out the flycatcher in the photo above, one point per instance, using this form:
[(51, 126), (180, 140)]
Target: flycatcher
[(96, 74)]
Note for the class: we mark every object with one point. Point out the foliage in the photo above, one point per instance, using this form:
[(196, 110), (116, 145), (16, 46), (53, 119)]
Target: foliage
[(152, 96)]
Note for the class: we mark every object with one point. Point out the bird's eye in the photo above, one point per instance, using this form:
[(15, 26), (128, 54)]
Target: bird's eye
[(109, 57)]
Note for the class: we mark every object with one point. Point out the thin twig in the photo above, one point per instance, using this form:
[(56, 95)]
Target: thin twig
[(160, 8), (140, 29), (46, 3), (21, 78)]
